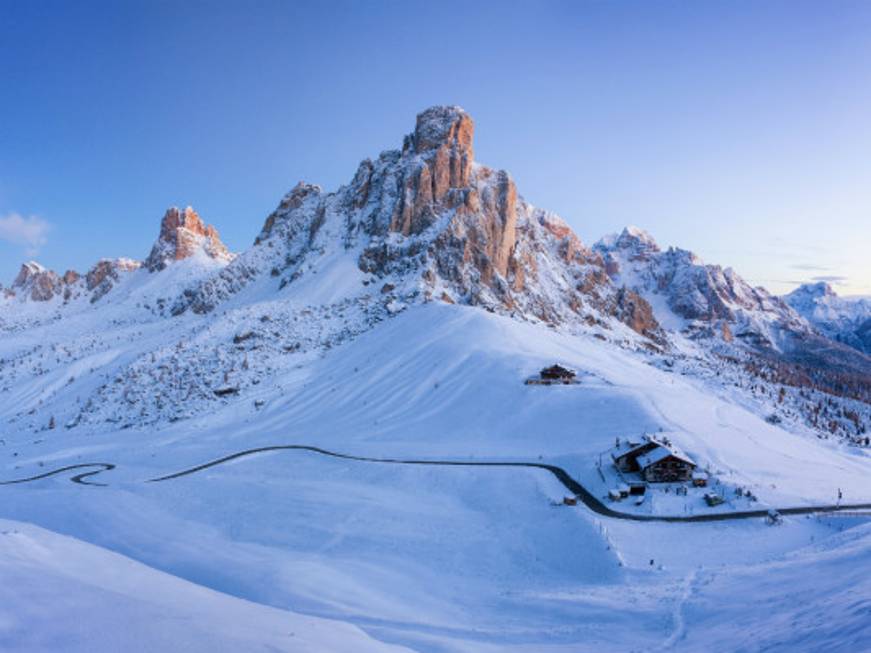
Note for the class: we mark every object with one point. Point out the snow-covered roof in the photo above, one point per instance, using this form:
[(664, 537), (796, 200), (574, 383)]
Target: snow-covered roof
[(662, 452), (629, 447)]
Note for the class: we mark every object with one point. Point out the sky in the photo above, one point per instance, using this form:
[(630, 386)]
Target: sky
[(739, 130)]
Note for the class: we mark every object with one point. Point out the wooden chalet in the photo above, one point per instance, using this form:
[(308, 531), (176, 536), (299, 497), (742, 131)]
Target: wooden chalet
[(665, 465), (626, 457), (655, 461)]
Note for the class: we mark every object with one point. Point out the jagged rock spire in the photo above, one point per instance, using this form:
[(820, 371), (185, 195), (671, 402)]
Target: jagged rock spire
[(431, 221), (36, 282), (182, 235), (442, 126)]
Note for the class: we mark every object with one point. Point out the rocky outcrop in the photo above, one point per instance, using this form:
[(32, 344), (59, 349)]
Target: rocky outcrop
[(37, 283), (431, 223), (103, 276), (183, 235), (301, 194), (438, 177), (70, 277), (633, 310)]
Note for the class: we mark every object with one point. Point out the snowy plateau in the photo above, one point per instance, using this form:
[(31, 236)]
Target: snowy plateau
[(336, 439)]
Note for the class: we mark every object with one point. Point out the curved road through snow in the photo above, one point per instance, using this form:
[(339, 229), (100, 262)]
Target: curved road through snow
[(78, 478), (573, 486)]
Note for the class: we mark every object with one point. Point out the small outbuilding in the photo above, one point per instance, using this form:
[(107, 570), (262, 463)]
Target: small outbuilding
[(637, 488), (555, 374), (558, 373)]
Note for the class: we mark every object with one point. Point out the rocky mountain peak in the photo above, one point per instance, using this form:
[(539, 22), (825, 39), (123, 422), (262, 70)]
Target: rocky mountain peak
[(637, 239), (433, 172), (630, 245), (292, 201), (444, 126), (427, 222), (37, 283), (183, 235), (814, 290), (844, 319), (632, 241), (27, 272)]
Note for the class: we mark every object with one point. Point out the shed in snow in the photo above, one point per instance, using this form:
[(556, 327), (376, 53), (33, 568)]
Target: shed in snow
[(555, 374)]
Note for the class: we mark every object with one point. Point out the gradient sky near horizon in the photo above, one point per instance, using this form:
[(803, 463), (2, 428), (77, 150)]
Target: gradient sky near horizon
[(739, 130)]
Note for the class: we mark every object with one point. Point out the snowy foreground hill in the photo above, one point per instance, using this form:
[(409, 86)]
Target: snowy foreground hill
[(283, 450)]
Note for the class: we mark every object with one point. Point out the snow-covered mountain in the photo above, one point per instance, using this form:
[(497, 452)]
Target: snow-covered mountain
[(38, 293), (693, 297), (395, 321), (718, 309), (845, 319), (424, 223), (429, 223)]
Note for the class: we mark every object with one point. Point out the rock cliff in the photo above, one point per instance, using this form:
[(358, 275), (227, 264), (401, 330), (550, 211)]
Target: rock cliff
[(183, 235), (432, 223)]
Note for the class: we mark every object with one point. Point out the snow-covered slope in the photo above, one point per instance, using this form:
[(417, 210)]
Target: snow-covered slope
[(398, 318), (844, 319), (60, 594), (441, 558)]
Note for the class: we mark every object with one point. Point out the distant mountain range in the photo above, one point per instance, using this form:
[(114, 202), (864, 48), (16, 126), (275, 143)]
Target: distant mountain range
[(845, 319)]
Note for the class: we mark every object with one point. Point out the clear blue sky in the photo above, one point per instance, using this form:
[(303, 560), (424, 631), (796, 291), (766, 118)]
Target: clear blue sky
[(740, 130)]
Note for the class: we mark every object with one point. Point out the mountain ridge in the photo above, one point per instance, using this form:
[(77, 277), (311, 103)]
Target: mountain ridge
[(420, 224)]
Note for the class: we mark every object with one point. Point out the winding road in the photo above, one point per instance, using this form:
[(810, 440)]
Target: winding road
[(78, 478), (573, 486)]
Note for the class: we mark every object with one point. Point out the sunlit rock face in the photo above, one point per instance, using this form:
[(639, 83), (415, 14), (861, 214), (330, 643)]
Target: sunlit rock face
[(106, 273), (37, 283), (183, 235), (431, 223)]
